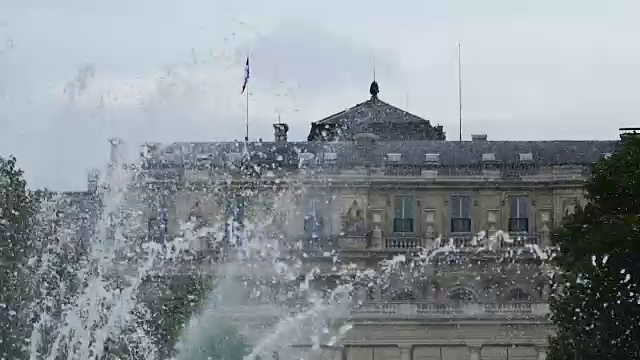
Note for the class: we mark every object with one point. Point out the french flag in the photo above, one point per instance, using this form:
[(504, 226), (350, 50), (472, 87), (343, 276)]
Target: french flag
[(246, 76)]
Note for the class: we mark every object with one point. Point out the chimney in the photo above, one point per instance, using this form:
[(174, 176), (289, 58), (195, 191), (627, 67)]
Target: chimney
[(92, 181), (280, 132), (479, 137)]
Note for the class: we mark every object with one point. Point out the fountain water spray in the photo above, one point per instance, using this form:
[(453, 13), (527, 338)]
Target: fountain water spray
[(89, 307), (94, 307)]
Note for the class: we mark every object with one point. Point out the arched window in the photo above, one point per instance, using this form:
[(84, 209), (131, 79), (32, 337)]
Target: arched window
[(462, 295), (518, 294), (403, 295)]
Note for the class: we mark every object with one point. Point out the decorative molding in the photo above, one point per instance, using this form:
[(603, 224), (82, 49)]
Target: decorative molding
[(492, 216)]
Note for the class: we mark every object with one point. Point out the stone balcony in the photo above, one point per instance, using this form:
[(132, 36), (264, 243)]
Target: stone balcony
[(431, 310), (463, 243), (404, 310), (402, 242)]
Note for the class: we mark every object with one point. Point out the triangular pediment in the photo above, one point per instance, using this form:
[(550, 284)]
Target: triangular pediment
[(378, 117), (371, 111)]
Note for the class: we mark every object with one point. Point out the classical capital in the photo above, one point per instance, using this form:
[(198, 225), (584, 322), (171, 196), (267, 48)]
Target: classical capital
[(542, 347), (474, 348)]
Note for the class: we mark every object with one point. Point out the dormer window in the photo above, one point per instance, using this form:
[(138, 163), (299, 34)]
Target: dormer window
[(306, 157), (525, 156), (489, 157), (394, 157), (234, 156), (432, 158)]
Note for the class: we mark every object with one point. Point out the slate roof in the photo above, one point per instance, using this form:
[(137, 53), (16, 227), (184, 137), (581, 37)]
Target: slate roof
[(348, 154), (378, 117), (373, 110)]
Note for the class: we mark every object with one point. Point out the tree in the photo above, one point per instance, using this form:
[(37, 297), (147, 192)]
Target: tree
[(178, 299), (18, 207), (596, 310)]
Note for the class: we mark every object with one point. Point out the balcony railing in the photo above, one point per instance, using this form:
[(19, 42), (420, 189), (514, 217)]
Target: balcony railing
[(414, 310), (402, 242), (520, 240), (514, 240), (515, 310)]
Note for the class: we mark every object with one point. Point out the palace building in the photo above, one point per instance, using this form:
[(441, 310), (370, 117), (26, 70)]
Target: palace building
[(373, 182)]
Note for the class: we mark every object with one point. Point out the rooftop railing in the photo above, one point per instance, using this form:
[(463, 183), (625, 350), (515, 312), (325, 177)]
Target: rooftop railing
[(374, 310), (408, 310)]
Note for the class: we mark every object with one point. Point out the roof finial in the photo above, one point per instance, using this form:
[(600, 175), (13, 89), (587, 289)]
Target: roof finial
[(374, 89)]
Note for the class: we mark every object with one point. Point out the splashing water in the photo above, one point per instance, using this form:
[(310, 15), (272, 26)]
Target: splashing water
[(275, 323), (89, 307), (89, 304)]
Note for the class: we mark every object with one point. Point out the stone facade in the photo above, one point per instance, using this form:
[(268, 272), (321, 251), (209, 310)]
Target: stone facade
[(367, 198)]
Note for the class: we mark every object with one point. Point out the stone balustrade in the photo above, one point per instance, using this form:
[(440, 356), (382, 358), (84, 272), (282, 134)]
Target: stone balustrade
[(412, 310), (403, 243), (511, 310)]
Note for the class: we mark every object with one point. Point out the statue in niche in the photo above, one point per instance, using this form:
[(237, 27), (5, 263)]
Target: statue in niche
[(353, 223), (196, 214)]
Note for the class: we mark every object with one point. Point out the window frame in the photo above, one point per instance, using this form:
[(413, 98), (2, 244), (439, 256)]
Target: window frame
[(519, 214), (414, 203), (460, 212), (318, 226)]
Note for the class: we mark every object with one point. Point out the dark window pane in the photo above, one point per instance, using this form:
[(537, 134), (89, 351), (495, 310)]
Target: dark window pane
[(518, 225), (460, 225), (402, 225)]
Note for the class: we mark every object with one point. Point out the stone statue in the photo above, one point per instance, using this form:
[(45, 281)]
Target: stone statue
[(353, 220)]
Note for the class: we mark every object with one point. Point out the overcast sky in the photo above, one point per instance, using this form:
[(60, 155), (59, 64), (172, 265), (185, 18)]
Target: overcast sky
[(75, 72)]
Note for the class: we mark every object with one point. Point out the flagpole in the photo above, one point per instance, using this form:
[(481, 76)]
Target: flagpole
[(246, 122), (460, 89), (245, 88)]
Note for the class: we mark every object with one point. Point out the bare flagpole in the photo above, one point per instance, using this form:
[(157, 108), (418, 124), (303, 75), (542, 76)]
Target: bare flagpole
[(460, 89), (246, 122)]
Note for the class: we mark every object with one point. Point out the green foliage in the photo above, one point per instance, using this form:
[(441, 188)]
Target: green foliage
[(17, 213), (597, 309), (181, 298)]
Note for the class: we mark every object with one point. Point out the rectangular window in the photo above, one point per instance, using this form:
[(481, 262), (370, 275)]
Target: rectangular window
[(519, 214), (313, 222), (460, 214), (404, 214)]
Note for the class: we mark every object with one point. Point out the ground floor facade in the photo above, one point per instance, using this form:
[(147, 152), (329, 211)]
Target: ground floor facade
[(447, 340)]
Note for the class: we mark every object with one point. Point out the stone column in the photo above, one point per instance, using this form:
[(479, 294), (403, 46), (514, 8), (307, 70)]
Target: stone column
[(474, 352), (405, 351), (542, 352)]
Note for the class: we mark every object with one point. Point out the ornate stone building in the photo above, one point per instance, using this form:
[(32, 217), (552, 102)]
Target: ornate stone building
[(374, 182)]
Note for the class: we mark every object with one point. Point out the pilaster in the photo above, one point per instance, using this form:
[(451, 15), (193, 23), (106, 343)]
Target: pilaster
[(474, 352), (542, 352), (405, 351)]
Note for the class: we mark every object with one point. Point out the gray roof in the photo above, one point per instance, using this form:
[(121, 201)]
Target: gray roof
[(451, 153), (374, 116), (373, 110)]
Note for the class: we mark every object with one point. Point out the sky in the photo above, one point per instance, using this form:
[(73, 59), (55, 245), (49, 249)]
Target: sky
[(74, 73)]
